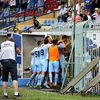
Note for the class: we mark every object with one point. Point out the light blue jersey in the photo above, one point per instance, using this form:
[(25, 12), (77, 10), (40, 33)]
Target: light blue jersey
[(32, 63), (36, 55), (37, 67), (44, 51), (62, 58), (44, 56)]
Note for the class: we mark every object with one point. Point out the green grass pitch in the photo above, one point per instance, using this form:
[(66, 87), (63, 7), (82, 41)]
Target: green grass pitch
[(30, 94)]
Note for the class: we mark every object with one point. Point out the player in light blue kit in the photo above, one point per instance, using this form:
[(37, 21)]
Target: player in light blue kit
[(44, 58), (35, 64)]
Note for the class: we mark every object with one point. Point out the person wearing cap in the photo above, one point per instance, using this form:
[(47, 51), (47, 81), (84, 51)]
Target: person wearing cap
[(8, 62), (36, 23), (95, 12)]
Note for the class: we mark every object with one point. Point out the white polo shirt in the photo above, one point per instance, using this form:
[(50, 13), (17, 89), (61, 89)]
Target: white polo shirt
[(12, 2), (63, 11), (8, 50)]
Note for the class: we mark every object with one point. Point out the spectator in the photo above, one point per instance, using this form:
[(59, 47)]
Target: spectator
[(97, 2), (40, 5), (88, 4), (31, 3), (24, 4), (95, 12), (87, 14), (69, 16), (78, 17), (78, 6), (36, 23), (62, 13), (71, 6), (12, 4), (5, 3), (93, 5), (98, 14), (1, 3), (83, 15), (9, 65)]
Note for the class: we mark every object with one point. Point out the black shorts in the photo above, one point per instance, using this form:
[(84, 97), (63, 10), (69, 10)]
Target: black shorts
[(9, 66), (12, 7)]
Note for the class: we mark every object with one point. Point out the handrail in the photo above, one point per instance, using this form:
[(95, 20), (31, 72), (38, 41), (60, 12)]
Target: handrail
[(7, 19), (9, 28), (26, 29)]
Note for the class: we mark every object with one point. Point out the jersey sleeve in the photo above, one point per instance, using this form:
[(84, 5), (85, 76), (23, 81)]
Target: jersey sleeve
[(59, 46)]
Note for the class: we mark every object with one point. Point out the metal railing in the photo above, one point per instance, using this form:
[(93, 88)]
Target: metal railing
[(24, 15)]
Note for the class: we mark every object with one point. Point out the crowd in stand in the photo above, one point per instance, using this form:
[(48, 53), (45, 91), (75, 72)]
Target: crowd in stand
[(24, 4), (85, 10)]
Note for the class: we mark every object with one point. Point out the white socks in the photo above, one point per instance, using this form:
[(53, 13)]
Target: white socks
[(16, 93), (5, 94)]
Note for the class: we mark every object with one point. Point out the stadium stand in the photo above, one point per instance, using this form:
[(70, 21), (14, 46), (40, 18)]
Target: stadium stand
[(86, 44)]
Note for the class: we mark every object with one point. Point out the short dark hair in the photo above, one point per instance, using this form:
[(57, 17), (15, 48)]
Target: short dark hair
[(34, 17), (8, 35), (38, 43), (64, 36), (54, 41), (45, 40)]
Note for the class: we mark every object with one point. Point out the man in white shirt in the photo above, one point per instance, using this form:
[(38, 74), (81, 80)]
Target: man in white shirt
[(12, 4), (62, 13), (78, 7), (98, 14), (9, 65)]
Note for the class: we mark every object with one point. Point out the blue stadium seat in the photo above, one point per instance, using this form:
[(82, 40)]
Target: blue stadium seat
[(56, 21), (49, 22), (25, 27), (52, 22), (45, 22)]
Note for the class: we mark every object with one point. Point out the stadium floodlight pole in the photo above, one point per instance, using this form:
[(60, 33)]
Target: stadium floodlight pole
[(74, 28)]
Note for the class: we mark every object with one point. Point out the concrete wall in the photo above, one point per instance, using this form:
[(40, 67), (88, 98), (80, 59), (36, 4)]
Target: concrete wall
[(29, 42), (2, 38)]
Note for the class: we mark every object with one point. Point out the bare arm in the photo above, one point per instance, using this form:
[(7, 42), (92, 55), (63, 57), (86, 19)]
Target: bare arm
[(18, 51), (96, 1), (65, 51), (38, 26)]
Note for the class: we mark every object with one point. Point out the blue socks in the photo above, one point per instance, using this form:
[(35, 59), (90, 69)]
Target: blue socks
[(50, 77), (41, 79), (31, 78), (56, 78)]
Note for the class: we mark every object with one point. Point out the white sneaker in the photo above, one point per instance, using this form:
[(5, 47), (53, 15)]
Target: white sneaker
[(46, 85)]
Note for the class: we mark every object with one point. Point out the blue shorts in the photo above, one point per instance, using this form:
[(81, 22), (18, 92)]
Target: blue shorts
[(32, 66), (36, 68), (53, 66), (44, 65)]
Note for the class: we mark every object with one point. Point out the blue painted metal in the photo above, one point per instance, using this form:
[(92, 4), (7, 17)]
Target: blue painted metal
[(52, 22), (26, 29), (45, 22), (49, 22), (21, 82)]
